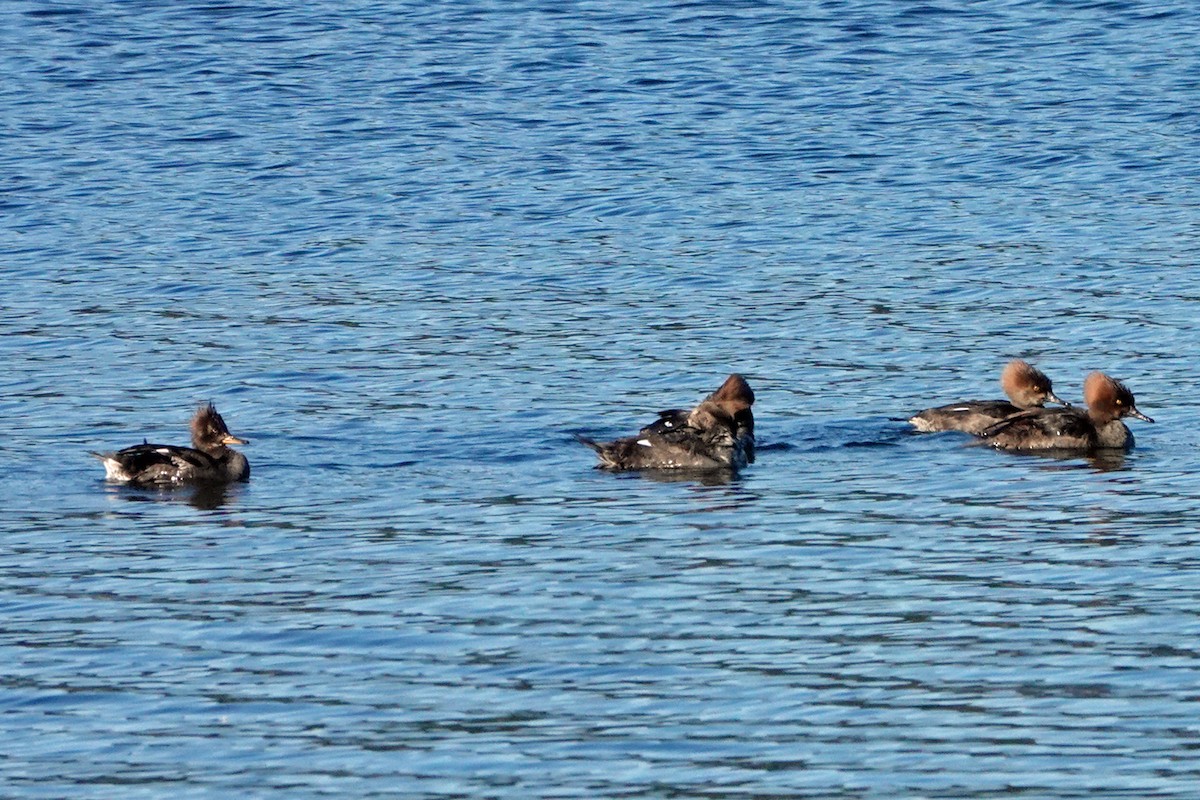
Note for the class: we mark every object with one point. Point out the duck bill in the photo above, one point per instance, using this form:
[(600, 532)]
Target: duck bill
[(1053, 398), (229, 438), (1133, 412)]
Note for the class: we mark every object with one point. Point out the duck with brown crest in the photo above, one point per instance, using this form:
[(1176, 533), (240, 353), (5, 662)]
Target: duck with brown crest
[(1097, 428), (1025, 385), (208, 460)]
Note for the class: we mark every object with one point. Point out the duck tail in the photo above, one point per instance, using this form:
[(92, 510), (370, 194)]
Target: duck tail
[(592, 443)]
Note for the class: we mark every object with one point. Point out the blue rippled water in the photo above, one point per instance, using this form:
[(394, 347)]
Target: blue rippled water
[(410, 249)]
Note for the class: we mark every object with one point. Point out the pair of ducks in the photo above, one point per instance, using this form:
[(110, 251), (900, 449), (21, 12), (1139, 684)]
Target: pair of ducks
[(716, 434), (1025, 424), (719, 432)]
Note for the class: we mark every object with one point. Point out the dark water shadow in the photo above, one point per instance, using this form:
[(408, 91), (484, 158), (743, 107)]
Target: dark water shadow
[(203, 496), (1109, 460), (704, 477)]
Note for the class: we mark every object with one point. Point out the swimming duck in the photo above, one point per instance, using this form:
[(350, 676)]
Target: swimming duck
[(1025, 385), (716, 434), (209, 460), (1099, 427)]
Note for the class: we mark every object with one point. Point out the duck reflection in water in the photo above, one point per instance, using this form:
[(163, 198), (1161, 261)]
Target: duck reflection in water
[(203, 496), (717, 476), (1105, 460)]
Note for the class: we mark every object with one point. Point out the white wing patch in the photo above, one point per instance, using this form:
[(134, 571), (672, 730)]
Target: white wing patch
[(644, 443)]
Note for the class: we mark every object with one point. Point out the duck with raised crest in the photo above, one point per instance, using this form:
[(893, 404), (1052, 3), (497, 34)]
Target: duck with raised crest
[(208, 460)]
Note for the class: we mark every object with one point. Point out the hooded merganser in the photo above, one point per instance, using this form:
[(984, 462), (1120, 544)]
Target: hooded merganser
[(209, 460), (1099, 427), (716, 434), (1025, 385)]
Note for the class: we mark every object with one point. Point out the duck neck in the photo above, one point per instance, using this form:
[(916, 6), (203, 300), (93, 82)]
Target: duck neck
[(1113, 433), (1101, 416), (236, 467), (217, 451)]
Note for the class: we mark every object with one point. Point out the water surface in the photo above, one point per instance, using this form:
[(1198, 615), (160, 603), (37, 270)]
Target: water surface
[(410, 250)]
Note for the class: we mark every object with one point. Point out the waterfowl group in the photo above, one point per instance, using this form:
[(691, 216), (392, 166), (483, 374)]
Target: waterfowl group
[(717, 433)]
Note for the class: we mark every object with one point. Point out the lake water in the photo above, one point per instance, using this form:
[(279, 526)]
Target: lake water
[(409, 250)]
